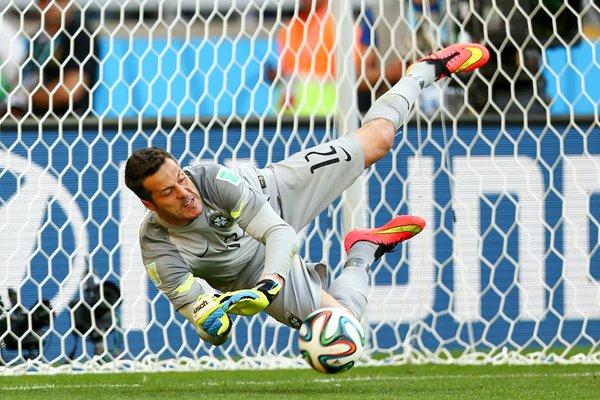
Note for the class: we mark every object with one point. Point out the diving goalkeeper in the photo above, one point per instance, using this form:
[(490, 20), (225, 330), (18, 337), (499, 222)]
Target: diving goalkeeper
[(237, 230)]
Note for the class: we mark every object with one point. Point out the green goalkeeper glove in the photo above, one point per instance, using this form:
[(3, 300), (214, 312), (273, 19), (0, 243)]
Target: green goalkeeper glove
[(210, 317), (250, 301), (210, 312)]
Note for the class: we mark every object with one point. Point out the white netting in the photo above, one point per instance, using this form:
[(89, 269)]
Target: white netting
[(503, 164)]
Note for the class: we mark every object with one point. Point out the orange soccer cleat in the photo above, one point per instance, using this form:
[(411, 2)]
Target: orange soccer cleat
[(462, 57), (398, 230)]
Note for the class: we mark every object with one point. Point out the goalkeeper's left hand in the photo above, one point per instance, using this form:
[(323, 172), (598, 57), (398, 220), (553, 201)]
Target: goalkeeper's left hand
[(210, 317), (250, 301)]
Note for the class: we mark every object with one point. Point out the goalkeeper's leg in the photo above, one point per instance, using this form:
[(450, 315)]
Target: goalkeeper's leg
[(364, 247), (389, 112), (304, 184)]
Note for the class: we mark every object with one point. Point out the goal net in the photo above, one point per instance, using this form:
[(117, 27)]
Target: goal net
[(502, 163)]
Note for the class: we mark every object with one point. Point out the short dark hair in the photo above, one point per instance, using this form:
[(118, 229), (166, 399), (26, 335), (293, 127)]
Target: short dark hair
[(142, 164)]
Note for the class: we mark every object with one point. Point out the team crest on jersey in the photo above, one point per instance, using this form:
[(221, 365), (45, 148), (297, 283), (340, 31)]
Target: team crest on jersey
[(221, 220)]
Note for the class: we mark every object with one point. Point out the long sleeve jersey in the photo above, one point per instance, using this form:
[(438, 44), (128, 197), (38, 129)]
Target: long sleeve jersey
[(217, 246)]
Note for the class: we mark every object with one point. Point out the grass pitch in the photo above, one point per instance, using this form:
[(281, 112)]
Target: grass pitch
[(403, 382)]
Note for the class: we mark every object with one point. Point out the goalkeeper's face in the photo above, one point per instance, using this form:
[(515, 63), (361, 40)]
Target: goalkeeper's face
[(175, 198)]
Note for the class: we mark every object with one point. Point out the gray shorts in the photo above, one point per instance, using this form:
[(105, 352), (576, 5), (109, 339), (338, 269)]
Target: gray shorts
[(300, 188)]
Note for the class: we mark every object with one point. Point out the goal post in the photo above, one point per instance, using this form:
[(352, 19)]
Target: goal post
[(347, 108), (502, 163)]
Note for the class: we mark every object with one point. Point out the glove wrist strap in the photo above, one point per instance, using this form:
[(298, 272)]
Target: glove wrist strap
[(269, 288)]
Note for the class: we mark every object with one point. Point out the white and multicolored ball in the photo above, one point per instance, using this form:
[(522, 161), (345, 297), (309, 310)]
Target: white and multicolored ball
[(331, 340)]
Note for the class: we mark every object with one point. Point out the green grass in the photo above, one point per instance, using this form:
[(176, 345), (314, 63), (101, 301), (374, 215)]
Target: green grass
[(403, 382)]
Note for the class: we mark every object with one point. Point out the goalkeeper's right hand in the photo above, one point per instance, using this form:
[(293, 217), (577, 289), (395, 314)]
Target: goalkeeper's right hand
[(210, 317)]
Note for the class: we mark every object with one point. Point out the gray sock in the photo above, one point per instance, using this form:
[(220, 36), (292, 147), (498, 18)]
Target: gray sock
[(396, 103), (351, 288), (423, 72), (363, 250)]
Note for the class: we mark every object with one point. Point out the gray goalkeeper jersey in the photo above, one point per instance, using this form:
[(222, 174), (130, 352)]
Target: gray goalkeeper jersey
[(215, 246)]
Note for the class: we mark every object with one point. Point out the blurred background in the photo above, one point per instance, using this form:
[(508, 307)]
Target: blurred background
[(503, 163), (221, 58)]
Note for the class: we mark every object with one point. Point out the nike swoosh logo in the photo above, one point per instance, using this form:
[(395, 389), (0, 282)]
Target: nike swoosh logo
[(414, 229), (476, 55), (200, 255), (348, 157)]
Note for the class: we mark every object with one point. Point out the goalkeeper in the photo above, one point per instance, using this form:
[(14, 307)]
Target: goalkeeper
[(238, 230)]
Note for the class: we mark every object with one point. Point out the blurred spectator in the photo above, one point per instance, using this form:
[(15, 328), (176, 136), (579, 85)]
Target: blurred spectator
[(516, 36), (377, 77), (61, 70), (307, 45), (591, 19), (409, 30), (11, 57)]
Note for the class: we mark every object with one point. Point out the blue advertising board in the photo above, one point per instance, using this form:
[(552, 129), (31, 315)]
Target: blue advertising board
[(510, 256)]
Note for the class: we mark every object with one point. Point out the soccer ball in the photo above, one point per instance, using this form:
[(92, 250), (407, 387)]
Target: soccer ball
[(331, 340)]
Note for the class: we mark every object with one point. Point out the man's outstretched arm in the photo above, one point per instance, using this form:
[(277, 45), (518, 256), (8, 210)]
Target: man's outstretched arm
[(280, 239), (210, 312)]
